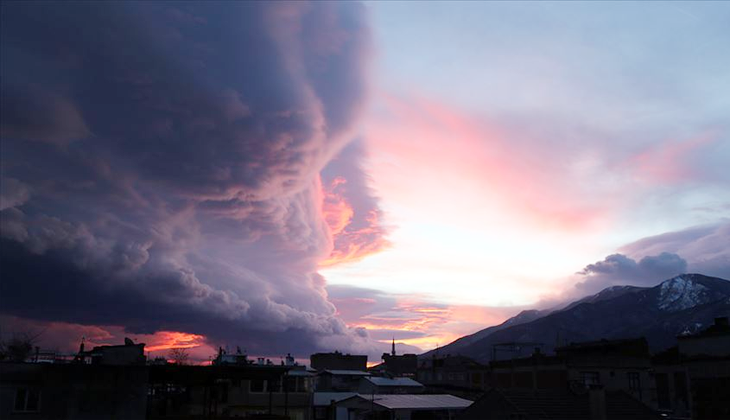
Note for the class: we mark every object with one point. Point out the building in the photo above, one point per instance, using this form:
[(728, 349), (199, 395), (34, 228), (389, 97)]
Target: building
[(104, 383), (693, 378), (229, 391), (544, 404), (383, 385), (397, 365), (401, 407), (129, 353), (458, 375), (340, 380), (325, 405), (72, 391), (711, 342), (617, 365), (338, 361)]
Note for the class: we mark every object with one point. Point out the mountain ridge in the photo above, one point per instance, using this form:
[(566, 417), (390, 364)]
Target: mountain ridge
[(683, 303)]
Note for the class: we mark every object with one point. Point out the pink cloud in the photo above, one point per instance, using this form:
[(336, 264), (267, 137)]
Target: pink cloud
[(445, 148), (670, 162), (412, 320)]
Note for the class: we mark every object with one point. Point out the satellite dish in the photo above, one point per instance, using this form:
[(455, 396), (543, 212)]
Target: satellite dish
[(128, 341)]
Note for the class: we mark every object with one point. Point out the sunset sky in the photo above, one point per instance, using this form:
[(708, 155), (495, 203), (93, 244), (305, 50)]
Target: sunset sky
[(292, 177)]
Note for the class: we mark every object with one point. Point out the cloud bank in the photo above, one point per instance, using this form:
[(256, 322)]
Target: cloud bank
[(161, 161), (649, 261)]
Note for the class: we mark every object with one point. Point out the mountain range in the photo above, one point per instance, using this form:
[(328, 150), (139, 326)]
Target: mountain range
[(680, 305)]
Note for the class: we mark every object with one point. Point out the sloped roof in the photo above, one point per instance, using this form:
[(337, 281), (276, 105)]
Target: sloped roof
[(380, 381), (418, 401), (346, 372), (300, 372), (325, 398)]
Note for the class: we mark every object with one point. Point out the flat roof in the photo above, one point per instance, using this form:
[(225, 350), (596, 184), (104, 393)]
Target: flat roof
[(416, 401)]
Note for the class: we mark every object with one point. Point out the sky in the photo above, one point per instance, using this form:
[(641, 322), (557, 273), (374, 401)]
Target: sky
[(301, 177)]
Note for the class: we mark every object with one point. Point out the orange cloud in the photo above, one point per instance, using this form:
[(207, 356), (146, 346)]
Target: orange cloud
[(165, 340), (350, 243), (337, 212), (422, 323)]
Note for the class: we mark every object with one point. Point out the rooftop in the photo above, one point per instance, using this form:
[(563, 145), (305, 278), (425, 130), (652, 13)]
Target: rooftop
[(416, 401), (346, 372), (325, 398), (380, 381), (559, 405)]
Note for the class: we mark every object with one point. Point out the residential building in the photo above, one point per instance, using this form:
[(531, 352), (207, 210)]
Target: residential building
[(458, 375), (338, 361), (339, 380), (397, 365), (229, 391), (693, 378), (550, 404), (72, 391), (614, 364), (402, 407), (384, 385)]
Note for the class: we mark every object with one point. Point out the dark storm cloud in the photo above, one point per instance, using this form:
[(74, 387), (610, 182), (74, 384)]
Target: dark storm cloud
[(705, 247), (618, 269), (160, 164), (647, 262)]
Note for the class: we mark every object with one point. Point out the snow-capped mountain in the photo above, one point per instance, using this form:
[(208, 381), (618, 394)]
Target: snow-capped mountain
[(687, 291), (605, 294), (685, 303)]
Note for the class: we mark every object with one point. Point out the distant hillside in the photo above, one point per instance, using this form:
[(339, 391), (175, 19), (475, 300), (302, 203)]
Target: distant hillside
[(681, 304), (461, 343)]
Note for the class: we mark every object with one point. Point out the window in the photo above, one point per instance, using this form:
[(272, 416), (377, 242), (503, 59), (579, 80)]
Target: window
[(662, 390), (320, 413), (258, 385), (27, 399), (680, 386), (302, 385), (295, 384), (590, 378), (634, 381), (290, 384)]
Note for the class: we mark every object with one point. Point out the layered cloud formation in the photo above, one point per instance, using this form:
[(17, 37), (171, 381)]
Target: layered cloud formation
[(160, 167), (649, 261)]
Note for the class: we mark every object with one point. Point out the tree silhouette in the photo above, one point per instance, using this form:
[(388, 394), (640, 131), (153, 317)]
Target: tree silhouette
[(179, 356), (19, 348)]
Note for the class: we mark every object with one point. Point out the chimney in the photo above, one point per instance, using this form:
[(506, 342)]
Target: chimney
[(597, 402)]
